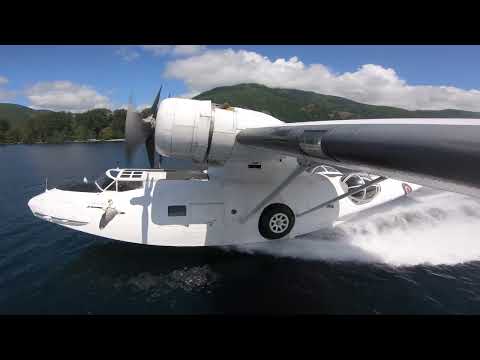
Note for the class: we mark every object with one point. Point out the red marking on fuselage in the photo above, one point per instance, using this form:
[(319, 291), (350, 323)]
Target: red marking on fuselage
[(406, 188)]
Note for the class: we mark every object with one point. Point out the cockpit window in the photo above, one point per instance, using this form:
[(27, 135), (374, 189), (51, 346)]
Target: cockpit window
[(104, 183), (129, 185), (80, 187)]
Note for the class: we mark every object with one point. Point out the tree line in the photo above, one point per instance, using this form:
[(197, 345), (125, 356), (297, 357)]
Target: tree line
[(60, 127)]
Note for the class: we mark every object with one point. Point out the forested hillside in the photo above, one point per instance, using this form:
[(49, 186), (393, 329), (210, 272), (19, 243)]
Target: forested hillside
[(20, 124)]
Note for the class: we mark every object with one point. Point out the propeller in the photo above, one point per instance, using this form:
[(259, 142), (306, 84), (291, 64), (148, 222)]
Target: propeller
[(145, 201), (140, 130)]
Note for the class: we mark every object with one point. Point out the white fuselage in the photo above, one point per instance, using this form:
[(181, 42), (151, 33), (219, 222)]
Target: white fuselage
[(215, 208)]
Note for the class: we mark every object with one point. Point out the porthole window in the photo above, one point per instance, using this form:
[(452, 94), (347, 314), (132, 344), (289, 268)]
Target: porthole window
[(352, 181), (326, 170)]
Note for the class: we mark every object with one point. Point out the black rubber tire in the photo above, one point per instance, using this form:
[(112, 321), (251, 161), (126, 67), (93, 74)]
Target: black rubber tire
[(267, 214)]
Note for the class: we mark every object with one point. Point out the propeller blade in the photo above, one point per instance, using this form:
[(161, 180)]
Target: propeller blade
[(141, 131), (150, 140), (136, 131), (150, 145), (147, 200), (154, 108)]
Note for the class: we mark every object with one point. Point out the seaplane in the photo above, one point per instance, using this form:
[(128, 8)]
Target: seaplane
[(255, 178)]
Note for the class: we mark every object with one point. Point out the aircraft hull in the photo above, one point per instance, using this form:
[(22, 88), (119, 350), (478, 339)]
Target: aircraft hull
[(214, 212)]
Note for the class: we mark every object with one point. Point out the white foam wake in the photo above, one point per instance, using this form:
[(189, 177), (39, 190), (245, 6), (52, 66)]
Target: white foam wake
[(442, 228)]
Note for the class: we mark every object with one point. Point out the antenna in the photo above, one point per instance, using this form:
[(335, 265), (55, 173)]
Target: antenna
[(46, 184)]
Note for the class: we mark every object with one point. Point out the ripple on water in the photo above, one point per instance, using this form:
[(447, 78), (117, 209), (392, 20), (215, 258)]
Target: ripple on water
[(194, 279)]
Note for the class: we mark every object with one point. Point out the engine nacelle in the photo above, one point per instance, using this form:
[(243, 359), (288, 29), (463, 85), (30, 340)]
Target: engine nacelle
[(200, 131)]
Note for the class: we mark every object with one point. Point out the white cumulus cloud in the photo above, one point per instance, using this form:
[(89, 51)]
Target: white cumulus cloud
[(65, 96), (127, 53), (178, 50), (137, 108), (370, 83)]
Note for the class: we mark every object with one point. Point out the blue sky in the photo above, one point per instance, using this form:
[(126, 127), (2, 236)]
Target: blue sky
[(78, 77)]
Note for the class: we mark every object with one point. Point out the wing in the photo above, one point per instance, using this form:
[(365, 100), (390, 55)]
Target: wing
[(439, 153)]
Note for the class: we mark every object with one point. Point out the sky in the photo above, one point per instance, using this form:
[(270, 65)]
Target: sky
[(78, 78)]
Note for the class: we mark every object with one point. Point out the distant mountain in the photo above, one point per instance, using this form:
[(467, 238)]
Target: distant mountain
[(20, 124), (14, 113), (285, 104), (295, 105), (18, 114)]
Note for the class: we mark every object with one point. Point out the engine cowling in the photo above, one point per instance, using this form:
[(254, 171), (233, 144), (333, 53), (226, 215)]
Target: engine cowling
[(200, 131)]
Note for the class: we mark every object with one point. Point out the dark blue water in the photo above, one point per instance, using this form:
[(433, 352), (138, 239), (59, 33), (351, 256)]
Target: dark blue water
[(48, 269)]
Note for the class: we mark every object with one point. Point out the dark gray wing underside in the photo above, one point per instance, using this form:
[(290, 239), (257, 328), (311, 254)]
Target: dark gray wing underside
[(443, 155)]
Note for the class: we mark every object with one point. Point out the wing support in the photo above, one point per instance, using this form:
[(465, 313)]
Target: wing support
[(438, 153), (274, 193), (347, 194)]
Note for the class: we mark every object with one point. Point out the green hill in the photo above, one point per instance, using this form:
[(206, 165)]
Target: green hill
[(20, 124), (295, 105), (17, 114)]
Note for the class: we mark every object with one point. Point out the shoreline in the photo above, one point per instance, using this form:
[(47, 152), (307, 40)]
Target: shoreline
[(67, 142)]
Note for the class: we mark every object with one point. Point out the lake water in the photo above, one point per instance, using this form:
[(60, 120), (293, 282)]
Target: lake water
[(421, 257)]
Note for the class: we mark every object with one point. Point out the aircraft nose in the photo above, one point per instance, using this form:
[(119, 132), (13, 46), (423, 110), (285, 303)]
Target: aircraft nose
[(35, 205), (31, 204), (59, 207)]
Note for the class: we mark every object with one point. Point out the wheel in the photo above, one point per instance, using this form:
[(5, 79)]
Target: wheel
[(276, 221)]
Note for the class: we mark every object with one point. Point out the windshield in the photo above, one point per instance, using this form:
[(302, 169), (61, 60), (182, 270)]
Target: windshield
[(79, 184), (101, 183), (104, 182)]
